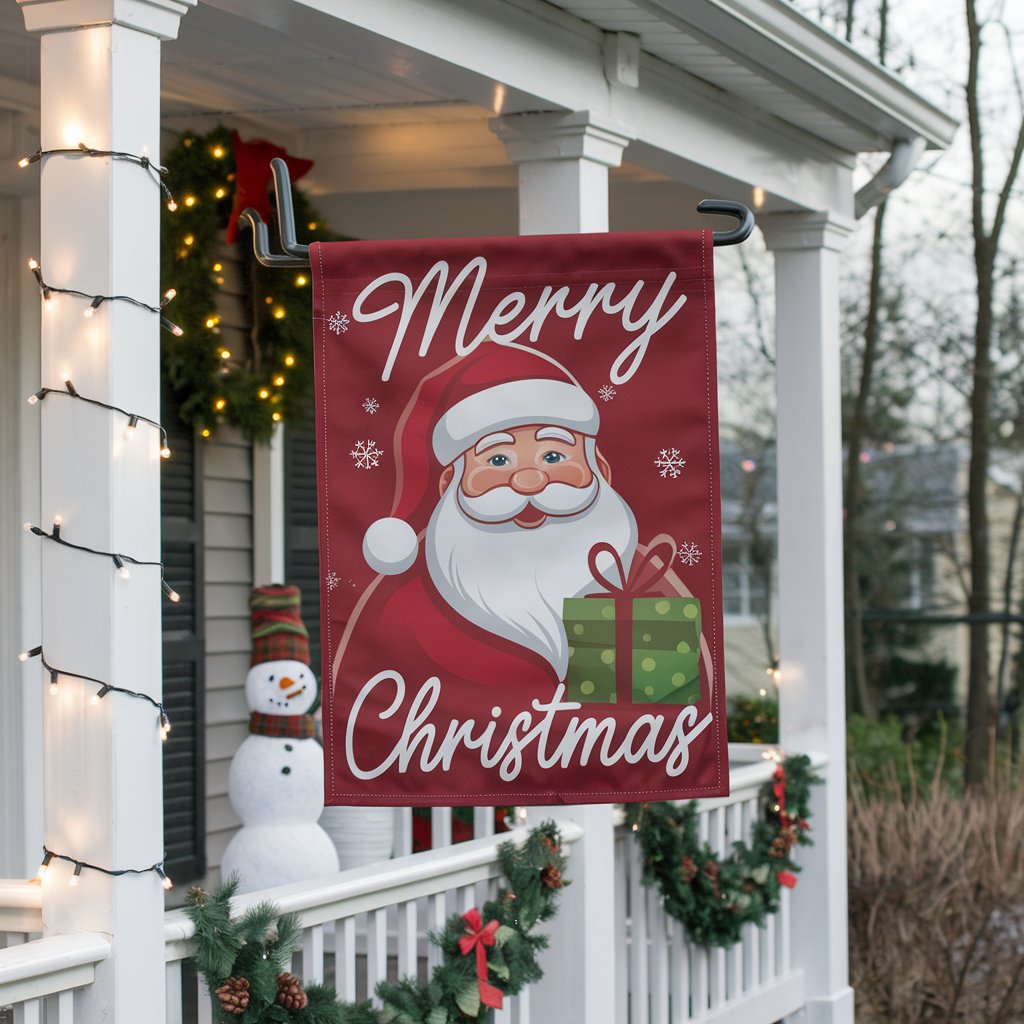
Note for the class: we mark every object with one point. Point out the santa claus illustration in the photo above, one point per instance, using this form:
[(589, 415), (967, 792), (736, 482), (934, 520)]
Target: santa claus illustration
[(502, 492)]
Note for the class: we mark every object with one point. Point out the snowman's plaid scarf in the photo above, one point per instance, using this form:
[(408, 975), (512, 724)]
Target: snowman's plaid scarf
[(293, 727)]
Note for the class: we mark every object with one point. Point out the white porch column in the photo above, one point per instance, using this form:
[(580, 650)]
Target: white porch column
[(812, 703), (563, 187), (563, 168), (99, 233)]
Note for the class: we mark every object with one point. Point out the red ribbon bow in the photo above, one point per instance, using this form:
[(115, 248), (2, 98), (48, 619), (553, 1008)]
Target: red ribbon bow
[(642, 575), (478, 936), (779, 789)]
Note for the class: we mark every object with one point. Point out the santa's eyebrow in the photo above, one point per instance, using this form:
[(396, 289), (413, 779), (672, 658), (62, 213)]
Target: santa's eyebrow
[(491, 440), (554, 434)]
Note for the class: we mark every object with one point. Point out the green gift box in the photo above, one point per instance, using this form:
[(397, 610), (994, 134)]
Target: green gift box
[(644, 649)]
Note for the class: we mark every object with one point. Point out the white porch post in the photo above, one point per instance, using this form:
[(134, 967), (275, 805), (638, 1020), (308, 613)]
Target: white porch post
[(563, 187), (812, 704), (99, 233)]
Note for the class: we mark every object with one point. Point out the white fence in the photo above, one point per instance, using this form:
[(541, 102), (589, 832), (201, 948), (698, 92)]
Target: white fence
[(371, 923)]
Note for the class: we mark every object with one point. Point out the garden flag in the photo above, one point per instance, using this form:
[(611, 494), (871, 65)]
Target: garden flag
[(517, 450)]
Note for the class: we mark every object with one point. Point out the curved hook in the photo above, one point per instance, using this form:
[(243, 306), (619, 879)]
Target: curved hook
[(286, 211), (730, 209), (261, 243)]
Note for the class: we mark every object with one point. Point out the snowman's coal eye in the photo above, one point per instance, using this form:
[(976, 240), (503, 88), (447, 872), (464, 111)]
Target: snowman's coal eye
[(270, 679)]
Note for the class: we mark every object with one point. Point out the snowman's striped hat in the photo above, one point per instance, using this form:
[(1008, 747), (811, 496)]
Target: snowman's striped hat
[(278, 633)]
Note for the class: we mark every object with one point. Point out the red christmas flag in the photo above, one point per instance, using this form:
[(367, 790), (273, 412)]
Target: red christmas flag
[(520, 544)]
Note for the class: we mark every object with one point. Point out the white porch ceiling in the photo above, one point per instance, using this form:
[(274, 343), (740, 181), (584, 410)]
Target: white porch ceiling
[(375, 94)]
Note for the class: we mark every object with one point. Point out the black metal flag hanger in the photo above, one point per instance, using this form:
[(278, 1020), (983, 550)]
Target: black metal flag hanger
[(297, 255)]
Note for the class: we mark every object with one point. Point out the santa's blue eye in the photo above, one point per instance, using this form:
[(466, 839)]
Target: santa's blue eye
[(553, 457), (499, 460)]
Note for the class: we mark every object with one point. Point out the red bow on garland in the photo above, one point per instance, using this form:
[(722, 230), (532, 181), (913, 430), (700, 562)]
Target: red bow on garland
[(786, 878), (252, 178), (478, 936)]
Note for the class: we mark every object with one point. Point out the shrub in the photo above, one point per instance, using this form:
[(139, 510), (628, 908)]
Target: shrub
[(937, 905)]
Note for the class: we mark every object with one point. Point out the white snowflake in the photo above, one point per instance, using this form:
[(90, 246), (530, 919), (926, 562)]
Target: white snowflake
[(669, 462), (332, 579), (371, 405), (689, 553), (366, 454), (606, 392), (337, 322)]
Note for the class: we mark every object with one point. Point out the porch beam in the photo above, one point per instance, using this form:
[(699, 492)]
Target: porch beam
[(99, 233), (812, 703), (563, 162), (508, 58)]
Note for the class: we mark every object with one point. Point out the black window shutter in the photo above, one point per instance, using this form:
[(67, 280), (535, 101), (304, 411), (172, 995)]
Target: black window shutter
[(302, 546), (183, 655)]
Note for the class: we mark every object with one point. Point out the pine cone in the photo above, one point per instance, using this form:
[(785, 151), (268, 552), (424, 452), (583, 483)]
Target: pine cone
[(234, 995), (551, 877), (290, 993)]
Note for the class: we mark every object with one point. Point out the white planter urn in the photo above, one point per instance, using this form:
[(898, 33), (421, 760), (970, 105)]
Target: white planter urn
[(361, 835)]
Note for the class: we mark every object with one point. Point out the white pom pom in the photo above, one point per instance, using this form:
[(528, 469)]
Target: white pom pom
[(390, 546)]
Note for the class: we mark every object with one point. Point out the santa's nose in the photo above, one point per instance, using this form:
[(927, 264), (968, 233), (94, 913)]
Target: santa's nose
[(286, 683), (529, 481)]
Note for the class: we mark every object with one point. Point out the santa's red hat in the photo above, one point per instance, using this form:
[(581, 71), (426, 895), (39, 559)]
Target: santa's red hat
[(496, 387)]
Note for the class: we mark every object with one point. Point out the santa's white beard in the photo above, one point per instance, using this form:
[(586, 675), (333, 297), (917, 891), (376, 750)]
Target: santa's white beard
[(511, 581)]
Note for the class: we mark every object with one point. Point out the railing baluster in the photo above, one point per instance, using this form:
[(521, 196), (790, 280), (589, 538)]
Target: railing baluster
[(784, 936), (65, 1008), (406, 939), (436, 915), (376, 950), (172, 974), (623, 844), (345, 959), (403, 832), (440, 827), (638, 979), (678, 973), (658, 957), (204, 1002), (313, 954), (698, 980), (28, 1012), (734, 957), (483, 822), (716, 957)]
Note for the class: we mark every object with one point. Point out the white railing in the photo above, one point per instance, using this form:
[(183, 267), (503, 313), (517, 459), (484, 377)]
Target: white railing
[(38, 978), (662, 977), (367, 924), (371, 923)]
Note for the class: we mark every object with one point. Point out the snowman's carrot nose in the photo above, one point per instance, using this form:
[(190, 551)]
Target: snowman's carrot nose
[(286, 683)]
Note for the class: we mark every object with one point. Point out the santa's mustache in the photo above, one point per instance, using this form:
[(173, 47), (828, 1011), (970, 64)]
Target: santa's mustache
[(502, 503)]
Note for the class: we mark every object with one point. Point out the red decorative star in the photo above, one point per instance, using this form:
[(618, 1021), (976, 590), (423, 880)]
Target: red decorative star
[(252, 177)]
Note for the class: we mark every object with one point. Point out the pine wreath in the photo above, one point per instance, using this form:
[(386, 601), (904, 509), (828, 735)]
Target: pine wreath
[(487, 953), (714, 898), (209, 382)]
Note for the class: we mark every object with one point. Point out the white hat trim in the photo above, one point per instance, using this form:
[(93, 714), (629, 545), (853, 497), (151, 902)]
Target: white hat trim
[(546, 402)]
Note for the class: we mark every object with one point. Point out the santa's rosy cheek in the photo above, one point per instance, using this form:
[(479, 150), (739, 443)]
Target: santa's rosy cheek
[(477, 480), (575, 474)]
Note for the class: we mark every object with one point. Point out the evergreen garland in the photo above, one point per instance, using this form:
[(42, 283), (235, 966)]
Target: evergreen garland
[(242, 960), (714, 898), (272, 380)]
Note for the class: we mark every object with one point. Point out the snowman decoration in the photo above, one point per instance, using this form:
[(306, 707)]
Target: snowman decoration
[(276, 780)]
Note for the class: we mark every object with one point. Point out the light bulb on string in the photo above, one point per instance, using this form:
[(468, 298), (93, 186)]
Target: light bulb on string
[(133, 422), (73, 880), (100, 694), (54, 688), (165, 452), (165, 726), (289, 360), (45, 865), (93, 306)]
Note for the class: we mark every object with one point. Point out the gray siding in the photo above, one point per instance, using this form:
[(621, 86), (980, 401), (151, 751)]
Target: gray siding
[(227, 479)]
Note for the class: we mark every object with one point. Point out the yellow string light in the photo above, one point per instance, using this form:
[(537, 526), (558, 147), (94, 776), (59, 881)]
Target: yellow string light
[(276, 417), (225, 353), (289, 360), (279, 381), (190, 200), (220, 193), (301, 280), (264, 393), (279, 313), (218, 152), (220, 404)]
